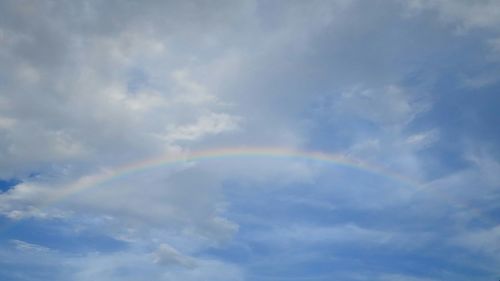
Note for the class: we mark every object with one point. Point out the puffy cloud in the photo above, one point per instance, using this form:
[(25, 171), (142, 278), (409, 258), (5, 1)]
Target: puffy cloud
[(75, 95)]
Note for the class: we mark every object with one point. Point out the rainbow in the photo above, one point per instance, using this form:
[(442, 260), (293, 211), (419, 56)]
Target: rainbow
[(130, 169), (109, 175)]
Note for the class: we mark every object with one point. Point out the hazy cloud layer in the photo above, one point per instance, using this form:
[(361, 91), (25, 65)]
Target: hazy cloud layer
[(94, 87)]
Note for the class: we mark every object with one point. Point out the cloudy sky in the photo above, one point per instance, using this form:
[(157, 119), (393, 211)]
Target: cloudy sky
[(250, 140)]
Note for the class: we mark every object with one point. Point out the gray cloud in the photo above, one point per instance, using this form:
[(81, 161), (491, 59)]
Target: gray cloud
[(88, 86)]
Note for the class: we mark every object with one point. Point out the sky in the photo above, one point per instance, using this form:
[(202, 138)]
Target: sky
[(250, 140)]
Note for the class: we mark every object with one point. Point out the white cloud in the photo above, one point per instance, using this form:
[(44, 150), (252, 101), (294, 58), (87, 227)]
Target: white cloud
[(210, 124), (28, 247), (388, 107), (383, 139), (123, 265), (423, 140), (467, 13), (402, 277), (135, 265), (68, 95), (468, 17), (302, 236), (483, 241), (168, 256), (177, 203), (337, 234)]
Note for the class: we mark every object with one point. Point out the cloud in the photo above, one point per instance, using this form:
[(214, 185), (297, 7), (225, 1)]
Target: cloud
[(423, 140), (25, 246), (166, 255), (90, 88), (485, 241), (130, 266), (78, 81), (206, 125), (483, 14), (391, 277), (339, 234), (389, 107), (171, 203)]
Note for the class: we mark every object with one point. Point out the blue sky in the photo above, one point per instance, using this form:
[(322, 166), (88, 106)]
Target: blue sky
[(409, 88)]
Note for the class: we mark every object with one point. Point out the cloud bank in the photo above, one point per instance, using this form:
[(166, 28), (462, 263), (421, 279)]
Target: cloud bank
[(409, 86)]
